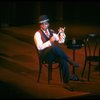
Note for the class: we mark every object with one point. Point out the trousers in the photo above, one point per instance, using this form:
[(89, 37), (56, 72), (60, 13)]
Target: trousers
[(55, 52)]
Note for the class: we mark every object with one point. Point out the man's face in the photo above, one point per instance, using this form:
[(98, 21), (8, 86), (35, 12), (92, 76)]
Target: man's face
[(44, 26)]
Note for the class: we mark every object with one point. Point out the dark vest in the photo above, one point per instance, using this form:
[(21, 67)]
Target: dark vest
[(44, 37)]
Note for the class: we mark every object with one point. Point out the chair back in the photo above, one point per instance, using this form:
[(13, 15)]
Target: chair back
[(91, 44), (37, 51)]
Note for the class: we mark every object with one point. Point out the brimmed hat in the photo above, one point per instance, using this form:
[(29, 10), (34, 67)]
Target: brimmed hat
[(43, 19)]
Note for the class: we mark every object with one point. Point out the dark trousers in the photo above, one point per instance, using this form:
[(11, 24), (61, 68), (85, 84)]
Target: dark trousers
[(55, 52)]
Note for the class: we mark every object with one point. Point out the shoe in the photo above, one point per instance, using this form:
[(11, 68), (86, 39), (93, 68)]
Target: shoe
[(74, 77), (75, 64), (68, 87)]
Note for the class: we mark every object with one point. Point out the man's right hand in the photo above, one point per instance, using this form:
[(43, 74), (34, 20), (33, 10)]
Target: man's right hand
[(52, 39)]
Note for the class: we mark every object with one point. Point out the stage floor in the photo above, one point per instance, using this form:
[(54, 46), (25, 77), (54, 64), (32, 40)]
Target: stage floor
[(19, 68)]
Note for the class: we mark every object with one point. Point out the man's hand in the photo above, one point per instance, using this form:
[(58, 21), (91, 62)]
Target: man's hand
[(62, 35), (61, 30), (52, 39)]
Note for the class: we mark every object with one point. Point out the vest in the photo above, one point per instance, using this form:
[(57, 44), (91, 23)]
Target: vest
[(44, 37)]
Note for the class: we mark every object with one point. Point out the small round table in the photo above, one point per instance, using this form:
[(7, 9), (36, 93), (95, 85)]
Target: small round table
[(74, 45)]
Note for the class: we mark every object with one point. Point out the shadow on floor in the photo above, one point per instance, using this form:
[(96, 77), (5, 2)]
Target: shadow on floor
[(8, 90), (87, 97)]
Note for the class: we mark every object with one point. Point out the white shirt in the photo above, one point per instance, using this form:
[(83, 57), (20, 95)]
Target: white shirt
[(39, 43)]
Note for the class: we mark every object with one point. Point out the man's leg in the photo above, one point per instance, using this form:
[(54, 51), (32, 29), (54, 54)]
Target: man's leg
[(58, 52), (65, 70), (49, 55), (65, 73)]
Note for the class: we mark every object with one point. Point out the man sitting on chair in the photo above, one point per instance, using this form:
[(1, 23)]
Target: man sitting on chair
[(45, 39)]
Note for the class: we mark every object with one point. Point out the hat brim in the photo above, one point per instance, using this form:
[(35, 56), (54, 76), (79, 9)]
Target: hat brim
[(44, 21)]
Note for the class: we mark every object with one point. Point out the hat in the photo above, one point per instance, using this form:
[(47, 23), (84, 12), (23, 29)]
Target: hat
[(43, 19)]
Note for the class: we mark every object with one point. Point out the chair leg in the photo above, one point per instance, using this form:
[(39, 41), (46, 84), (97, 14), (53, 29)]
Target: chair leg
[(39, 73), (60, 73), (83, 70), (99, 67), (89, 69), (49, 72)]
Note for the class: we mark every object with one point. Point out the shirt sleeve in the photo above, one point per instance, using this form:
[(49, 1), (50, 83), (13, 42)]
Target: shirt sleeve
[(39, 43)]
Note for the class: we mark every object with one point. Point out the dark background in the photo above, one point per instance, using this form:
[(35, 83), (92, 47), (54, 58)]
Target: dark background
[(27, 12)]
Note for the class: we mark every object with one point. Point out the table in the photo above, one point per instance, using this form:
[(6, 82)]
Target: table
[(74, 45)]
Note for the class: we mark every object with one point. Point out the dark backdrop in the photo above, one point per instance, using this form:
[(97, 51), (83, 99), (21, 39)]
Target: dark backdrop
[(27, 12)]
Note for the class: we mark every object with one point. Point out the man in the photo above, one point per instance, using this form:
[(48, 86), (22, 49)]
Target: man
[(45, 39)]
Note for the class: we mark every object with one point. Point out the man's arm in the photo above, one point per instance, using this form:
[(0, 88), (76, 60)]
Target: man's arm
[(39, 43)]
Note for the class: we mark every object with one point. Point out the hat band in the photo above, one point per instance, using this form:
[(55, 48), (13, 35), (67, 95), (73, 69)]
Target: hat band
[(44, 21)]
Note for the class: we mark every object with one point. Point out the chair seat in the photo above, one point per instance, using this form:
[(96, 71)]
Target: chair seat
[(93, 58), (53, 62)]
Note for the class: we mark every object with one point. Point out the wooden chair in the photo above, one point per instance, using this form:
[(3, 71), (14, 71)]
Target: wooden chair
[(49, 66), (92, 53)]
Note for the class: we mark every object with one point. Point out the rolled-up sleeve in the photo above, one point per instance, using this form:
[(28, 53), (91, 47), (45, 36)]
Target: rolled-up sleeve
[(39, 43)]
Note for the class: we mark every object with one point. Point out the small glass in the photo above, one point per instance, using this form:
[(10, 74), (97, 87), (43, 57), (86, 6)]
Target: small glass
[(73, 41)]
